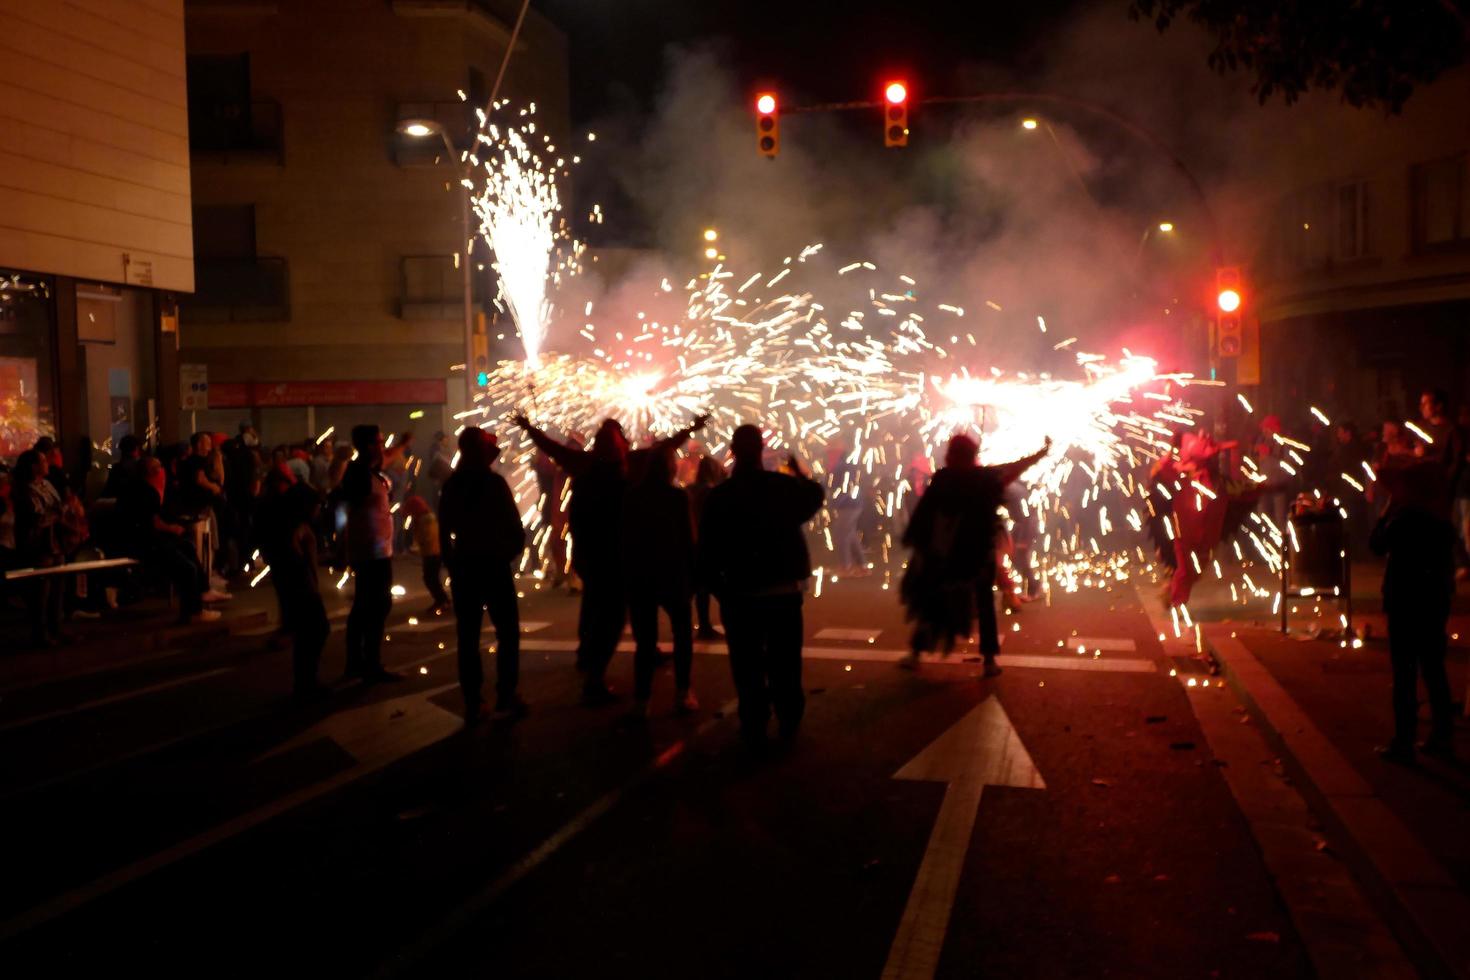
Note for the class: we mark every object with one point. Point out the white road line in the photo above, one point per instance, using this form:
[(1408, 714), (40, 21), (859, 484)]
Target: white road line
[(113, 699), (1127, 665), (1104, 643), (405, 961), (863, 635)]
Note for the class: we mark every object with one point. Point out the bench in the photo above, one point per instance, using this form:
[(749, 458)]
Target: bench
[(70, 568)]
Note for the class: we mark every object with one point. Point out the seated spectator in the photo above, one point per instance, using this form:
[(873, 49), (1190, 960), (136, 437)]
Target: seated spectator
[(126, 470), (161, 545)]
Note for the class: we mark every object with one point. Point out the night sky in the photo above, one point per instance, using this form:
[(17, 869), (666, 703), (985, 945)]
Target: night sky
[(817, 51)]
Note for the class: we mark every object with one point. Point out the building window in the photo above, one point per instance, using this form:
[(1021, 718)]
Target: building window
[(1442, 204), (432, 288), (224, 117), (1305, 235), (27, 395), (232, 284), (1350, 239)]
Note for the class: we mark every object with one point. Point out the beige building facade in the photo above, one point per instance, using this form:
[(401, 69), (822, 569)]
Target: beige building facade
[(1358, 253), (329, 291), (95, 220)]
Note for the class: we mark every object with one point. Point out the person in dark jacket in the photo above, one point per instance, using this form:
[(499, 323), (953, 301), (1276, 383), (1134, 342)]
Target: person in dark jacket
[(481, 538), (658, 551), (952, 534), (286, 529), (753, 557), (599, 479), (708, 475), (1418, 585)]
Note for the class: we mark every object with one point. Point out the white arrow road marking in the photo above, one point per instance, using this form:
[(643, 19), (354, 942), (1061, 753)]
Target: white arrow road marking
[(981, 749), (375, 735)]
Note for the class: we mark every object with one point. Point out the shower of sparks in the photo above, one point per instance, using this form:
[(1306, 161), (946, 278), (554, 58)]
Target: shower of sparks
[(519, 212), (888, 380)]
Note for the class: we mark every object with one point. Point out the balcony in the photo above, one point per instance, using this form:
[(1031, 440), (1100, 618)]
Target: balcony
[(237, 291), (432, 288), (228, 132)]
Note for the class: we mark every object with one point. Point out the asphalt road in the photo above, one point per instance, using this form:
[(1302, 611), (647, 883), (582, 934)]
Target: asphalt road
[(181, 818)]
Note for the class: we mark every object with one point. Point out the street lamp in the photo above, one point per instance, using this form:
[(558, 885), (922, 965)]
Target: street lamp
[(1028, 124), (1166, 226), (417, 128)]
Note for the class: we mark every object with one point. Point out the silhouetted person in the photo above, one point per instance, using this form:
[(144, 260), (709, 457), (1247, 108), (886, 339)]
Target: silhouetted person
[(952, 569), (426, 537), (125, 471), (294, 566), (753, 556), (707, 476), (1418, 585), (481, 538), (658, 549), (599, 481), (370, 554)]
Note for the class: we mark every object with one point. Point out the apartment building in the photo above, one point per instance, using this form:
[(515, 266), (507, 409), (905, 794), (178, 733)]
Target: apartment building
[(1360, 253), (329, 290)]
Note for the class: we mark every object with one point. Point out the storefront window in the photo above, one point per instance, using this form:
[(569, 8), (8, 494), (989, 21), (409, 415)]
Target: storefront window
[(27, 392)]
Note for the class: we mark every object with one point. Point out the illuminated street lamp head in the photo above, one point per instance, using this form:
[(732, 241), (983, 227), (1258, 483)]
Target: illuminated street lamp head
[(1166, 226), (419, 128), (896, 93), (711, 253), (1229, 300), (1028, 123), (765, 104), (710, 234)]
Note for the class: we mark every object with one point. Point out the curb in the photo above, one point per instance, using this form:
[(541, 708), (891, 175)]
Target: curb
[(1411, 890)]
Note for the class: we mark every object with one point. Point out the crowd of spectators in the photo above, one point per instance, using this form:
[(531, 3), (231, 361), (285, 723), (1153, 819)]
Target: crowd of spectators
[(193, 516)]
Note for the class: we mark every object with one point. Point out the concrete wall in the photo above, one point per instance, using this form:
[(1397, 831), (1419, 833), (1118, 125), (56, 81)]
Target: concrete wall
[(94, 155)]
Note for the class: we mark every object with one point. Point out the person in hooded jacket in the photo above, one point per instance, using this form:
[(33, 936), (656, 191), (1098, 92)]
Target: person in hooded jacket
[(481, 539), (952, 535), (599, 478), (753, 557), (658, 550)]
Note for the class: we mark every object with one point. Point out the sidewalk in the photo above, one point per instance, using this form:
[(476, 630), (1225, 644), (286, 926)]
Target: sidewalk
[(130, 634), (1326, 708)]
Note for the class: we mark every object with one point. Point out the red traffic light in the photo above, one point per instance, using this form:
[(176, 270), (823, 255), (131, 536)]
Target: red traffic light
[(768, 134), (896, 93), (1229, 300)]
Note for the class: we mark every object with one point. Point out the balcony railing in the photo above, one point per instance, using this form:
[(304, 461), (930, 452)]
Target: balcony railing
[(237, 133), (237, 291)]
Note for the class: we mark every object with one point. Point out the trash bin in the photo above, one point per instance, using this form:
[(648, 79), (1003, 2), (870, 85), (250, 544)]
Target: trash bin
[(1317, 550)]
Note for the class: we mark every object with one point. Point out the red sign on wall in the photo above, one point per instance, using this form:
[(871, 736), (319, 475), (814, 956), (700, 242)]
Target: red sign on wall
[(284, 394)]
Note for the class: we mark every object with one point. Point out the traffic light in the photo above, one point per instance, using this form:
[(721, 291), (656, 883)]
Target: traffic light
[(767, 131), (895, 114), (1229, 299)]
